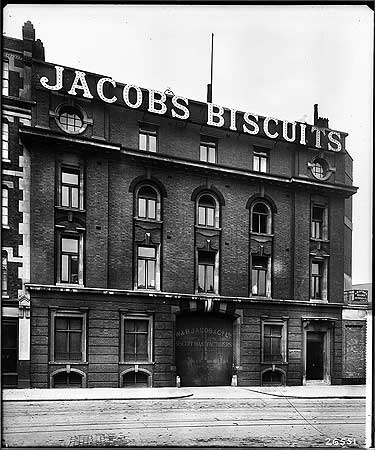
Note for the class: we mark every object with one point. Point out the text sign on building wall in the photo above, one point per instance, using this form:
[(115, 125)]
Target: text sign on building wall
[(75, 82)]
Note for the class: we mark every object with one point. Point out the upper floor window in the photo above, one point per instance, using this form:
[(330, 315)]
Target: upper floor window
[(148, 135), (136, 338), (147, 203), (68, 336), (208, 211), (70, 187), (70, 119), (5, 205), (317, 279), (260, 161), (5, 141), (206, 271), (319, 221), (260, 276), (4, 273), (5, 78), (261, 218), (146, 267), (70, 259), (208, 150)]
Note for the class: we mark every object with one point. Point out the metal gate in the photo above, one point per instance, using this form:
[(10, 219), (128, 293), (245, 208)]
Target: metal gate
[(204, 349)]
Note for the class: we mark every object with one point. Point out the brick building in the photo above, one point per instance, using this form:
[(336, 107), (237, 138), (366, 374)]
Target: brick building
[(147, 237)]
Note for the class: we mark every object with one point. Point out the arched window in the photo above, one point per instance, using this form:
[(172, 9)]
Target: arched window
[(273, 378), (134, 379), (67, 380), (261, 218), (208, 211), (147, 203)]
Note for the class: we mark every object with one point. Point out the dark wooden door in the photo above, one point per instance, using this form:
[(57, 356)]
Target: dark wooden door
[(315, 356), (204, 349)]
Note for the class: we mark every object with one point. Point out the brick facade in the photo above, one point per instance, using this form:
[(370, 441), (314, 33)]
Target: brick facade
[(111, 168)]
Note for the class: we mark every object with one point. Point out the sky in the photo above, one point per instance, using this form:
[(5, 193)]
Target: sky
[(272, 60)]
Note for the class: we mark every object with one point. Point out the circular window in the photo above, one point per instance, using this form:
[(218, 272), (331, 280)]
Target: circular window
[(319, 169), (70, 120)]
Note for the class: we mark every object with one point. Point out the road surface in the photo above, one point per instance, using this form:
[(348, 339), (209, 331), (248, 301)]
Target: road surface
[(254, 422)]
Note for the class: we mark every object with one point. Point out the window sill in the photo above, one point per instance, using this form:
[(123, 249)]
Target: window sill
[(142, 363), (5, 160), (282, 363), (68, 285), (318, 240), (68, 208), (5, 227), (262, 234), (263, 297), (5, 296), (70, 363), (146, 290), (318, 300), (207, 227), (143, 219)]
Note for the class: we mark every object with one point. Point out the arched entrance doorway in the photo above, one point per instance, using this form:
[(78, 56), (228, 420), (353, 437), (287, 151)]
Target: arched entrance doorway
[(204, 349)]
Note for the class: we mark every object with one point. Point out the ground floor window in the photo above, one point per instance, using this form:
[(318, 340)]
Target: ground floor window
[(68, 343), (135, 379), (274, 341), (67, 380), (136, 338), (272, 378)]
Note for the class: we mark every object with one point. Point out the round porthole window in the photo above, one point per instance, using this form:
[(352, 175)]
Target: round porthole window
[(70, 119), (320, 170)]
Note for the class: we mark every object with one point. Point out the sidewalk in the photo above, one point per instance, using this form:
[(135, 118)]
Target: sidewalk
[(225, 392)]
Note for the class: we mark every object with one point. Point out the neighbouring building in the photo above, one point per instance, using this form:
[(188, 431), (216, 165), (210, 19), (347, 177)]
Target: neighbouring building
[(147, 237)]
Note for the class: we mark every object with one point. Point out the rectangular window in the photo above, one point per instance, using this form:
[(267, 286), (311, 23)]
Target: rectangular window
[(68, 336), (5, 141), (319, 226), (206, 271), (274, 341), (70, 259), (148, 137), (260, 162), (4, 273), (136, 339), (207, 150), (317, 279), (70, 188), (4, 206), (5, 78), (259, 275), (146, 267)]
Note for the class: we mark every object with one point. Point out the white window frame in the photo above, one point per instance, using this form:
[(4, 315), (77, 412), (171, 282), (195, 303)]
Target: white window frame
[(148, 130), (72, 314), (157, 267), (324, 279), (261, 158), (150, 337), (269, 218), (5, 141), (284, 341), (79, 170), (268, 276), (216, 212), (209, 146), (158, 202), (80, 237), (5, 77), (4, 206), (324, 230)]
